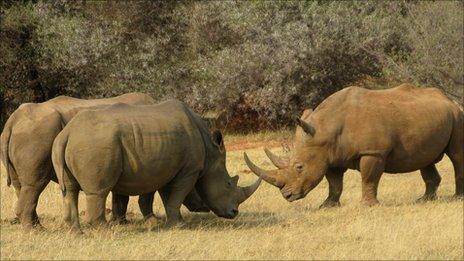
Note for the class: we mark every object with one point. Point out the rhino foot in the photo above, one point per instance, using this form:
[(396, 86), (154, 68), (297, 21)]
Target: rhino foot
[(119, 221), (75, 231), (330, 204), (15, 221), (427, 197), (152, 220), (370, 202), (33, 228), (176, 225)]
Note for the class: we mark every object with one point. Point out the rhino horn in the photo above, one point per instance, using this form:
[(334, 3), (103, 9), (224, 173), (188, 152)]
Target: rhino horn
[(279, 162), (265, 175), (249, 190)]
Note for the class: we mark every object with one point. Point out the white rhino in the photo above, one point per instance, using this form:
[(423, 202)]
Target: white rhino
[(396, 130), (132, 150), (25, 146)]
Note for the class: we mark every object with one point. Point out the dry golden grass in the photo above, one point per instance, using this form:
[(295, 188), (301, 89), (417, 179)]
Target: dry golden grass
[(267, 228)]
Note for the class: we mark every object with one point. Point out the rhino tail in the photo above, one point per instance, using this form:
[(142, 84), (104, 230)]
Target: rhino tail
[(4, 146), (58, 158)]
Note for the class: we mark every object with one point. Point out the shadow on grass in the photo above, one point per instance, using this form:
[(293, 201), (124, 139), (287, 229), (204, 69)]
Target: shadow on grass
[(417, 202), (245, 220), (206, 221)]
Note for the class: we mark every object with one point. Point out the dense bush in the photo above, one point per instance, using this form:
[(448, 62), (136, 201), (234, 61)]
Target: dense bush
[(434, 54), (258, 62)]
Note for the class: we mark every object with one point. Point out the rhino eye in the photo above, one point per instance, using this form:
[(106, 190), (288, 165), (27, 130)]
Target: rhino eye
[(299, 167), (229, 183)]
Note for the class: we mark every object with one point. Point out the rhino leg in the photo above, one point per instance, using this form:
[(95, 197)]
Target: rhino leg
[(27, 204), (432, 179), (29, 179), (70, 203), (18, 207), (97, 181), (335, 179), (120, 202), (194, 203), (119, 208), (96, 208), (459, 176), (146, 205), (174, 193), (456, 154), (70, 209), (371, 168)]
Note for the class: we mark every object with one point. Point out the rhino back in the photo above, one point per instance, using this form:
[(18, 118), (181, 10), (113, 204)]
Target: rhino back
[(34, 126), (68, 107), (154, 144)]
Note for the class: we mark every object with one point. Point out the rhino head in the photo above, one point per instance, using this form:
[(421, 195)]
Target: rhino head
[(217, 189), (298, 175)]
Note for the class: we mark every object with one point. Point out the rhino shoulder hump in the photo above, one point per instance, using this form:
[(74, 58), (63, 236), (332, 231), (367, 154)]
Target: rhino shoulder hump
[(353, 88), (406, 87), (175, 102), (62, 99), (119, 105), (134, 96), (436, 91)]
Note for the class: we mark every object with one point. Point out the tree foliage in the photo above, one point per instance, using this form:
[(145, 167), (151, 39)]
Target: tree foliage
[(258, 62)]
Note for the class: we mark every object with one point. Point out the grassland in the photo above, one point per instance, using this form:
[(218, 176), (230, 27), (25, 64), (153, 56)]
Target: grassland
[(267, 228)]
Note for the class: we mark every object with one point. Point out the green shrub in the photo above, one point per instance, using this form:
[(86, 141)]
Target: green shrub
[(434, 33), (257, 62)]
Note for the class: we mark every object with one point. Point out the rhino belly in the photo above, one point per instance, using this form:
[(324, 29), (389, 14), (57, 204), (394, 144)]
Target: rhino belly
[(145, 179), (414, 153), (138, 186)]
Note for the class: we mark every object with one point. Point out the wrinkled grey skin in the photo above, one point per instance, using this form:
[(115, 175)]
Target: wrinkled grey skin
[(134, 150), (26, 141)]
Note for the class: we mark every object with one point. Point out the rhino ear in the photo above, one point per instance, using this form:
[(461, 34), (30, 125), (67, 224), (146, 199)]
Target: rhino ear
[(306, 126), (217, 139), (234, 180), (306, 113)]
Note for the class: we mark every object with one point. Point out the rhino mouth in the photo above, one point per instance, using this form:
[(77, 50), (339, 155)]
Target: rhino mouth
[(292, 194), (229, 215), (292, 197)]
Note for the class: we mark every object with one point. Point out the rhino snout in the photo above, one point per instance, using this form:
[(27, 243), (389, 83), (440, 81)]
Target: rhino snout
[(231, 213), (290, 196), (293, 197)]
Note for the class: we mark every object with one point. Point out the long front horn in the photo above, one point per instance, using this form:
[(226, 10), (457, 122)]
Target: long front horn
[(249, 190), (260, 172), (279, 162)]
